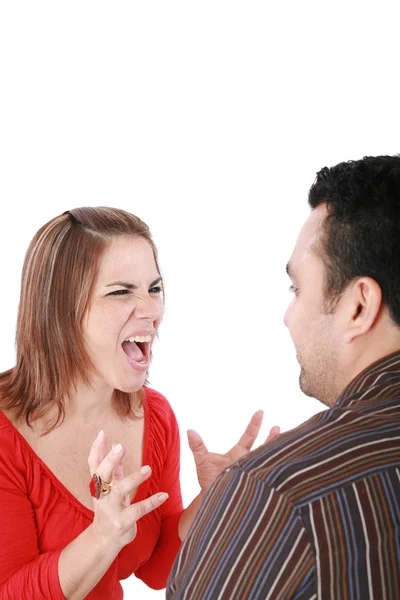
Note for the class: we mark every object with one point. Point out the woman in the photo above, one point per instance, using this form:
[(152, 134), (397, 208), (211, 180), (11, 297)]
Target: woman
[(91, 304)]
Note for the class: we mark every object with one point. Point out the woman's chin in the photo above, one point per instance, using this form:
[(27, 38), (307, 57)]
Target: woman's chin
[(130, 387)]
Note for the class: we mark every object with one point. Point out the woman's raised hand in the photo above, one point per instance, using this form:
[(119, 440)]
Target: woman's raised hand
[(114, 517), (210, 464)]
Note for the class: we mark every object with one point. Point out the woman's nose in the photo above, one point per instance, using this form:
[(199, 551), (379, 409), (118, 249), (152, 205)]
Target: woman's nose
[(148, 308)]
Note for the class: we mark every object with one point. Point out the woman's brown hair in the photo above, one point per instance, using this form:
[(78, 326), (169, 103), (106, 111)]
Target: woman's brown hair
[(59, 271)]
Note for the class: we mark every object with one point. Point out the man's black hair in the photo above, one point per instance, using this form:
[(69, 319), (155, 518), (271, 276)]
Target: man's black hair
[(362, 229)]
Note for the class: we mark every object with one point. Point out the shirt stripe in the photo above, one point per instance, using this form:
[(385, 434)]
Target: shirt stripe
[(314, 514)]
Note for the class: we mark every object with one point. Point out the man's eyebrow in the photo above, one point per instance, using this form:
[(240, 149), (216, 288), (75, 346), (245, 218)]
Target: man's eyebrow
[(132, 286)]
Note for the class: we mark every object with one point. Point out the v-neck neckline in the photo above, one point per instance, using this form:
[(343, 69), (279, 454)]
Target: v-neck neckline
[(142, 491)]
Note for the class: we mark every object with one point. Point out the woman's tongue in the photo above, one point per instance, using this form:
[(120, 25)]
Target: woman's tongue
[(133, 351)]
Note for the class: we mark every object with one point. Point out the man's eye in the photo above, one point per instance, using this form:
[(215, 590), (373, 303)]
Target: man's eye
[(156, 289), (118, 293)]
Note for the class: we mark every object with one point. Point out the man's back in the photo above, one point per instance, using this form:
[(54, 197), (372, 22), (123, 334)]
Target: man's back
[(315, 514)]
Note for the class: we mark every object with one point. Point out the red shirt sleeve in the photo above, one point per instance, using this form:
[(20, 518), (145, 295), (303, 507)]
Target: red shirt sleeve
[(24, 573), (156, 570)]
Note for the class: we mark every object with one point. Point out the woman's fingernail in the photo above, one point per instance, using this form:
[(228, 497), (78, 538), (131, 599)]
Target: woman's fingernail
[(118, 449), (162, 497), (100, 435), (145, 470)]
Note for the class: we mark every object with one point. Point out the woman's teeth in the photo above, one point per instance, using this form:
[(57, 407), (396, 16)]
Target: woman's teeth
[(139, 338)]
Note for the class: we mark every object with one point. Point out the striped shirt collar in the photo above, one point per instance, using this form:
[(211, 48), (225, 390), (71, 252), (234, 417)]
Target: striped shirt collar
[(379, 380)]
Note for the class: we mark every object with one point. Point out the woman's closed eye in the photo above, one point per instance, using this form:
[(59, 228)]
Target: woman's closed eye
[(154, 290), (293, 289), (118, 293), (157, 289)]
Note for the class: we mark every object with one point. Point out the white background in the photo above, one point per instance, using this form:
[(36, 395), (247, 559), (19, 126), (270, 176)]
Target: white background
[(209, 120)]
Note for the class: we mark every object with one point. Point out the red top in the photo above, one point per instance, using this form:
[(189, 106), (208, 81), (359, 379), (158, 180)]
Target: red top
[(39, 516)]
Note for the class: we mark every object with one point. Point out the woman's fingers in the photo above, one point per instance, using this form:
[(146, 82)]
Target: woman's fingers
[(129, 485), (119, 472), (106, 467), (115, 518), (110, 463), (118, 476), (252, 430), (140, 509), (110, 468), (273, 433), (97, 452)]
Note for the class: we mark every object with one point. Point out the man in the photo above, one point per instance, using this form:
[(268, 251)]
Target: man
[(316, 512)]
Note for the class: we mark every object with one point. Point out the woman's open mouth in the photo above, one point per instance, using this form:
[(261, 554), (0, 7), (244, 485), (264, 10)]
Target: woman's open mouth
[(137, 351)]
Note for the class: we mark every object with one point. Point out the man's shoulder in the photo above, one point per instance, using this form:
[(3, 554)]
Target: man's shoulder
[(326, 452), (291, 448)]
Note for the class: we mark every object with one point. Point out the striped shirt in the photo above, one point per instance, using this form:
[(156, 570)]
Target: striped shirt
[(313, 514)]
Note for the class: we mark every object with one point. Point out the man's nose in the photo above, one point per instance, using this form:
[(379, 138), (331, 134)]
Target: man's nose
[(285, 316)]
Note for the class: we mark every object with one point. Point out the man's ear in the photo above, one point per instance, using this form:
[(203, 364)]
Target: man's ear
[(364, 297)]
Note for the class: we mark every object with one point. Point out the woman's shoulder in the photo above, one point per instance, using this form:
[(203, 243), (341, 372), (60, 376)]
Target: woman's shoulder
[(6, 425), (159, 409), (162, 428), (157, 401), (13, 454)]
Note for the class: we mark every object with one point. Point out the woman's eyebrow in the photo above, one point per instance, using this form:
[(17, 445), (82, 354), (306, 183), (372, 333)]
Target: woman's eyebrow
[(132, 286)]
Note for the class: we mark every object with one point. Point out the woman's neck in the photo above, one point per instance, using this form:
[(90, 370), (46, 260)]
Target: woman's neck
[(89, 403)]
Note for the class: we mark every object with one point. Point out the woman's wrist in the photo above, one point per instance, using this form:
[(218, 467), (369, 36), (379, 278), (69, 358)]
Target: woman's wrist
[(189, 514), (83, 563), (102, 544)]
